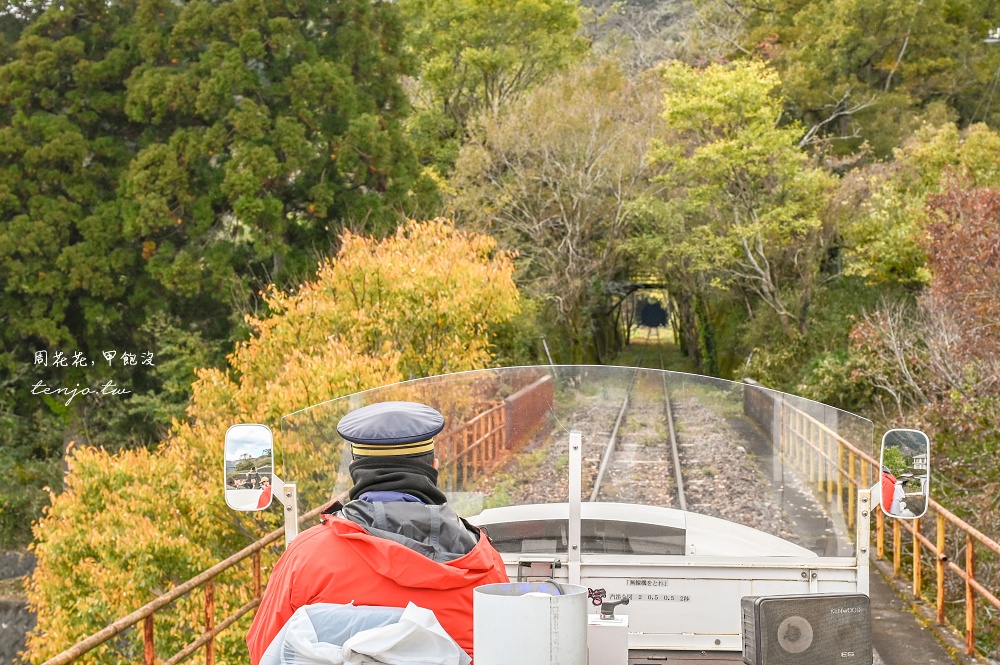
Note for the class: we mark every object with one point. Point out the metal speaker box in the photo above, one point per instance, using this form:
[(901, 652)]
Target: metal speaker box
[(817, 629)]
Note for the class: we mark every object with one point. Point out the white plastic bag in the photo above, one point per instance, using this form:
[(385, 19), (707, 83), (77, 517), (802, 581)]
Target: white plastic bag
[(417, 639), (374, 635)]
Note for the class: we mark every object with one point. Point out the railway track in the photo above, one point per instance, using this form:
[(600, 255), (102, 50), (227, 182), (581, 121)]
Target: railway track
[(650, 438), (640, 461)]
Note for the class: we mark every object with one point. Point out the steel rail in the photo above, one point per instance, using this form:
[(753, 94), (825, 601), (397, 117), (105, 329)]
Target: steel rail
[(609, 448), (613, 439), (674, 449)]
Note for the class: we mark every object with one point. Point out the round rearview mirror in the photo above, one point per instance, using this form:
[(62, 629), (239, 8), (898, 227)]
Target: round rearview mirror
[(249, 465), (905, 477)]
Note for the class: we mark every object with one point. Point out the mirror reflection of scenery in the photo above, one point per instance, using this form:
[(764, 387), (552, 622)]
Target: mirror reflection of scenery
[(249, 466), (905, 473)]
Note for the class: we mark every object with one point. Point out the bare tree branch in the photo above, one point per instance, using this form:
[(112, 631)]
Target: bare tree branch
[(841, 108)]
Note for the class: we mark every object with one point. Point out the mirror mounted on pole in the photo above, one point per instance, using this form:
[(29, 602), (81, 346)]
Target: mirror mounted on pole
[(904, 481), (249, 466)]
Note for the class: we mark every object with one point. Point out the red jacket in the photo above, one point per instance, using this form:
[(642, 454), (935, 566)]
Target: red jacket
[(888, 490), (265, 498), (339, 562)]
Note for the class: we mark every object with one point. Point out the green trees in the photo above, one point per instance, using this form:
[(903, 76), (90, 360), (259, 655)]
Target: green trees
[(477, 55), (594, 173), (553, 177), (181, 148), (265, 123), (742, 207), (752, 200), (159, 164), (884, 216), (64, 269), (868, 70)]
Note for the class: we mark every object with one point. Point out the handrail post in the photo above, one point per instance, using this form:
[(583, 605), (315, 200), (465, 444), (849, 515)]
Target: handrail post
[(491, 428), (941, 557), (477, 444), (470, 442), (852, 490), (897, 539), (488, 439), (575, 487), (828, 469), (970, 599), (797, 441), (807, 451), (464, 458), (210, 621), (503, 426), (840, 476), (862, 537), (807, 448), (783, 433), (453, 466), (148, 649), (917, 570)]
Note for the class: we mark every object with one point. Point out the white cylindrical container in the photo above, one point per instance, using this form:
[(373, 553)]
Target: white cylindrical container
[(530, 623)]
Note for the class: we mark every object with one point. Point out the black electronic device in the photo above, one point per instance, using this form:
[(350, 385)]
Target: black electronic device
[(814, 629)]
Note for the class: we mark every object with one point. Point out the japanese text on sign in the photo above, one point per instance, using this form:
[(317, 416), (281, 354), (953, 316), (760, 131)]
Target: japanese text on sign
[(647, 583), (662, 597), (125, 359)]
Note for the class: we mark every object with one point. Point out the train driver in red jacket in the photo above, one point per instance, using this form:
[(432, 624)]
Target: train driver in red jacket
[(394, 542)]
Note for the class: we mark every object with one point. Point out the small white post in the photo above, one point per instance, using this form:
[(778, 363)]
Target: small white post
[(575, 481), (287, 497)]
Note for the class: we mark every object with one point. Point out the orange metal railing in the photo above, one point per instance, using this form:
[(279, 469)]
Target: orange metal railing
[(479, 445), (832, 464), (206, 579)]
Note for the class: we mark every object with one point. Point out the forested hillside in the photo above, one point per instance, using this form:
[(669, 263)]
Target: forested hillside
[(816, 181)]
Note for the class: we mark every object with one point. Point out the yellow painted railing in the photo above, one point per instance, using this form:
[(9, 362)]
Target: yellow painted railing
[(832, 465)]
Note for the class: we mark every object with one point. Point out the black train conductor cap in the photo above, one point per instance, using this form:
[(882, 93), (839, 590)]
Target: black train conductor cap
[(385, 429)]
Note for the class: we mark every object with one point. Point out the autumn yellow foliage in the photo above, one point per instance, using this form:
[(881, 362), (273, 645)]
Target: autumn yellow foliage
[(131, 526)]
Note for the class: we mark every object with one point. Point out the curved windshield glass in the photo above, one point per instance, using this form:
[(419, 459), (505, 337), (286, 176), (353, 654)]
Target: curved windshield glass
[(672, 464)]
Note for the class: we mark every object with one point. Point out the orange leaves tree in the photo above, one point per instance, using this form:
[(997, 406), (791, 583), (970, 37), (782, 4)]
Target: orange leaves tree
[(965, 259), (130, 526)]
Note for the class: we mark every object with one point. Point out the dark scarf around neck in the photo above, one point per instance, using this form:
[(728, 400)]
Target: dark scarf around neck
[(396, 474)]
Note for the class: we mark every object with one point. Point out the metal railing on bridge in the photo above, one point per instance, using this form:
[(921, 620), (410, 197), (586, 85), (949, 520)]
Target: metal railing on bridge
[(836, 468)]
